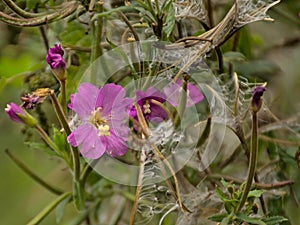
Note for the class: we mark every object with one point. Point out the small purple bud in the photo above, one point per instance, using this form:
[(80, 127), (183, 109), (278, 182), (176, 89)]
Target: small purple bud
[(55, 57), (299, 15), (13, 111), (57, 49), (56, 61), (256, 97), (17, 114)]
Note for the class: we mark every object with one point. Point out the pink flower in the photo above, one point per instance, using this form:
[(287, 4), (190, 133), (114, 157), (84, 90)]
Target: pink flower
[(152, 112), (102, 112)]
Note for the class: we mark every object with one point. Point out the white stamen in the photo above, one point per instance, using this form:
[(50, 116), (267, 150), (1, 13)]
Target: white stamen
[(103, 130), (147, 109)]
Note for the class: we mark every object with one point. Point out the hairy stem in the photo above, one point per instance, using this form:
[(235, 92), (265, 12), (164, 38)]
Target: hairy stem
[(63, 97), (252, 162), (67, 9), (47, 139), (138, 187), (77, 185), (37, 219)]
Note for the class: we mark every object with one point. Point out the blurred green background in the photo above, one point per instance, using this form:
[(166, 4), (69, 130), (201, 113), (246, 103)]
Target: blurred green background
[(22, 50)]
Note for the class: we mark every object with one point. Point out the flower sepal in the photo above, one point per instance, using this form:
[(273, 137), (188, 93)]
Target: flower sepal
[(59, 73)]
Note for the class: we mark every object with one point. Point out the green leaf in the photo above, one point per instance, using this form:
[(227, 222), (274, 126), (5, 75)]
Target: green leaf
[(273, 220), (80, 218), (111, 44), (60, 209), (245, 44), (225, 221), (145, 14), (251, 220), (255, 193), (31, 4), (111, 209), (234, 57), (257, 68), (225, 183), (170, 19), (218, 217), (41, 146), (272, 149), (44, 213), (59, 138), (221, 195), (73, 33), (275, 205)]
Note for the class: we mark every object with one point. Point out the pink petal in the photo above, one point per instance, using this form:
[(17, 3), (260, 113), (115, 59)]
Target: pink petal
[(86, 137), (115, 145), (194, 95), (84, 102), (110, 95)]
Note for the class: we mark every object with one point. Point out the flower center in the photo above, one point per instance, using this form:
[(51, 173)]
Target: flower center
[(100, 123), (146, 107)]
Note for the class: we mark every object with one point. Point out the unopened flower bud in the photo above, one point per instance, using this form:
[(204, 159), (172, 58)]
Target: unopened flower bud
[(256, 98), (17, 114), (56, 61)]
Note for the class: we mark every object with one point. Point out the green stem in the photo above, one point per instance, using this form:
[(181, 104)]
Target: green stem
[(150, 76), (205, 134), (77, 187), (182, 104), (253, 160), (31, 174), (63, 97), (60, 113), (96, 28), (37, 219), (86, 172), (48, 141), (138, 187)]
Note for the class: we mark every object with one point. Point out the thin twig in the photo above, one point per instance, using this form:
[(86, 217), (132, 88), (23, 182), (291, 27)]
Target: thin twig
[(255, 185), (66, 10), (138, 187), (33, 175)]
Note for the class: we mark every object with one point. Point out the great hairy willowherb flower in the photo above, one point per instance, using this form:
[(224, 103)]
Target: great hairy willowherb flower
[(174, 93), (102, 113), (17, 114), (56, 61), (256, 101), (151, 111)]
